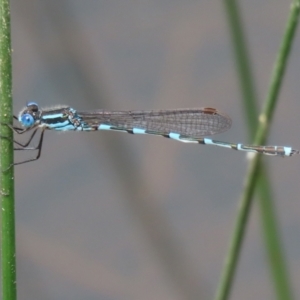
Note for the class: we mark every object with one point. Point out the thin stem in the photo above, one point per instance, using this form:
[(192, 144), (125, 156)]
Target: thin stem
[(269, 219), (6, 151), (254, 167), (243, 64)]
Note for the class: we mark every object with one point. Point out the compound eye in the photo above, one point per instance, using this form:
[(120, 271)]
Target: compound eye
[(33, 106), (27, 120)]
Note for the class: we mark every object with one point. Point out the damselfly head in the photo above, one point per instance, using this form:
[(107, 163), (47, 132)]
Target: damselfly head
[(29, 114)]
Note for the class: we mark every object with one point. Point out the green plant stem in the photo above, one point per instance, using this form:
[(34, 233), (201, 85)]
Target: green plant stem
[(275, 253), (254, 167), (243, 64), (270, 226), (6, 159)]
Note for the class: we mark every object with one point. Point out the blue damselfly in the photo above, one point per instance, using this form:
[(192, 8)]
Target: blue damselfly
[(184, 125)]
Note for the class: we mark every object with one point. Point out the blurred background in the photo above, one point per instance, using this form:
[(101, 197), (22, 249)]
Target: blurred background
[(111, 216)]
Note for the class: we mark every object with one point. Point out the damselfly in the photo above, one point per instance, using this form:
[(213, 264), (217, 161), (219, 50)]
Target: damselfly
[(184, 125)]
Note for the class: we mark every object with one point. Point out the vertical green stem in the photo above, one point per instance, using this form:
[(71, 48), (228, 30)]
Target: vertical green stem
[(252, 174), (8, 258), (269, 220), (243, 64)]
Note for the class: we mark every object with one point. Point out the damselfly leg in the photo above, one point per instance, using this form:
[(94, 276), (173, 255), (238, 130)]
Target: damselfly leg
[(25, 146)]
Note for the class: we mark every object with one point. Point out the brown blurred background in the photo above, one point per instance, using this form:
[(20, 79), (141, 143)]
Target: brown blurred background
[(113, 216)]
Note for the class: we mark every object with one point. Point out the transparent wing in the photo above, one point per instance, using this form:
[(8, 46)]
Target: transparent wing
[(196, 122)]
